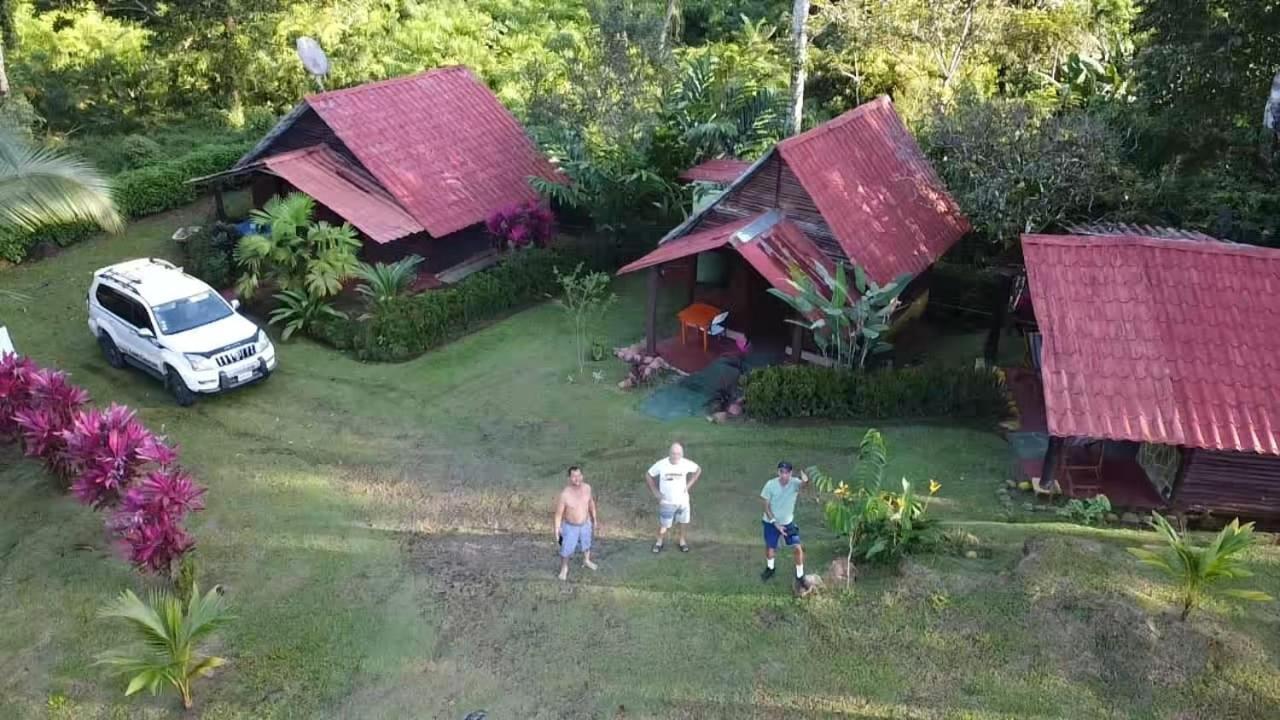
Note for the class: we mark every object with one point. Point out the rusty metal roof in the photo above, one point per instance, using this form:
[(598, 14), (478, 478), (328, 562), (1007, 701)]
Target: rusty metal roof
[(882, 200), (768, 241), (1159, 339), (346, 189), (721, 171), (440, 142), (1130, 229)]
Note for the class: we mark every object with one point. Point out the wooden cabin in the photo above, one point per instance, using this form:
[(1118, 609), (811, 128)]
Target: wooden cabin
[(856, 190), (1159, 362), (416, 164)]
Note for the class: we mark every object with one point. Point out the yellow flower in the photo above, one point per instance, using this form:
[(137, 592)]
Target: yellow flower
[(934, 487), (842, 490)]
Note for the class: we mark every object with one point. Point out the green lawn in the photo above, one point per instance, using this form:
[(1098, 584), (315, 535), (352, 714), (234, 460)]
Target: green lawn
[(384, 534)]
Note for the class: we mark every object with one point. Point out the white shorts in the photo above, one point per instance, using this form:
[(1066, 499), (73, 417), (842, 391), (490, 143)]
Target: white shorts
[(668, 514)]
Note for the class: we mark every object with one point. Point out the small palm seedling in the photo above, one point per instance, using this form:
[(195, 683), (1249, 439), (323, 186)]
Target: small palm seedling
[(300, 311), (1200, 570), (171, 636), (381, 282)]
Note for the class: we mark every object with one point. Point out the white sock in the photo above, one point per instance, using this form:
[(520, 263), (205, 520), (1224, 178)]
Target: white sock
[(800, 571), (768, 562)]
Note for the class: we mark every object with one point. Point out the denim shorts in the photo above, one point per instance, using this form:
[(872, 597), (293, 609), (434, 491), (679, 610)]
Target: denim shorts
[(574, 536), (772, 535), (668, 514)]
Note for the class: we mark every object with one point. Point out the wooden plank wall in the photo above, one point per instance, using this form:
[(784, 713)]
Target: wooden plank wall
[(1230, 483)]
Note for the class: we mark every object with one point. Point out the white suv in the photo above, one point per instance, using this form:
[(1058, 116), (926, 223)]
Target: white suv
[(150, 314)]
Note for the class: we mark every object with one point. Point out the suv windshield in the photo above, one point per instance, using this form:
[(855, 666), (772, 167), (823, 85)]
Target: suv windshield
[(182, 315)]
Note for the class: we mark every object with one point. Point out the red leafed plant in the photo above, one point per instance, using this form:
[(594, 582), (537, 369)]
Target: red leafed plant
[(52, 406), (15, 390), (522, 225), (150, 518), (109, 448)]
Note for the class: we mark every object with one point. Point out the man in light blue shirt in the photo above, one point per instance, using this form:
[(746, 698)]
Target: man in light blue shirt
[(779, 521)]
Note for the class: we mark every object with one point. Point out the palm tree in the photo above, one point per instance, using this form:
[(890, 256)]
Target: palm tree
[(40, 187), (800, 55)]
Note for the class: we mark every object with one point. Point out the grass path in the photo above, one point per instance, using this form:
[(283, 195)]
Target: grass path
[(383, 532)]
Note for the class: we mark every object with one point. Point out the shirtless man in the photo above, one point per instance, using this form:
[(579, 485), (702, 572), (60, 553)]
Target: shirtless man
[(575, 521)]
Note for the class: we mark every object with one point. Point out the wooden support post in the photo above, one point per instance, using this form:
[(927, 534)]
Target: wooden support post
[(1184, 459), (1048, 471), (219, 207), (651, 314), (693, 282), (797, 343), (991, 351)]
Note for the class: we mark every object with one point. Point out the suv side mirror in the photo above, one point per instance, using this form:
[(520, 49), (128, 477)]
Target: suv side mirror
[(145, 333), (235, 304)]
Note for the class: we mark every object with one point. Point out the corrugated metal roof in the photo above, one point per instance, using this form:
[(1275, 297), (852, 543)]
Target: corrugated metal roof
[(721, 171), (1159, 340), (1104, 228), (440, 142), (690, 244), (347, 190), (767, 241), (879, 195)]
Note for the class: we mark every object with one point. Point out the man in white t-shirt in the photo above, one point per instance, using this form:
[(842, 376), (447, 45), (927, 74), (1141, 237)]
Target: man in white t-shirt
[(670, 480)]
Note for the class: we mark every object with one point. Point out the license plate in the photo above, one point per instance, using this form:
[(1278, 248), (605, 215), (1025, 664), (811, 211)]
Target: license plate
[(244, 377)]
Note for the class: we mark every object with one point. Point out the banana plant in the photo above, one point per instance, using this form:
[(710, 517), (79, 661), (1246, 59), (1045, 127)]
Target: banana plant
[(1200, 570), (294, 253), (848, 323), (171, 634)]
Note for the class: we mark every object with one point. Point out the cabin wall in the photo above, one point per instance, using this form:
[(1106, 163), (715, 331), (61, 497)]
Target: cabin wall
[(774, 186), (309, 129), (1230, 483)]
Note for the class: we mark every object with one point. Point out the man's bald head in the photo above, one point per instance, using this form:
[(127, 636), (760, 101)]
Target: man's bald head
[(676, 452)]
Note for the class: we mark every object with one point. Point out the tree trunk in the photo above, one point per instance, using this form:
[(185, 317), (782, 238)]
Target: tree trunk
[(799, 57), (668, 19), (4, 75)]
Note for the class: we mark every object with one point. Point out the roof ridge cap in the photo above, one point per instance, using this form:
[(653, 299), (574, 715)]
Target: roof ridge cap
[(397, 80), (838, 121), (1164, 243)]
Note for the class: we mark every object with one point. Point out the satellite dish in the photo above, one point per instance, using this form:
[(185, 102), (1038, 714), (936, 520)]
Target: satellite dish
[(313, 59)]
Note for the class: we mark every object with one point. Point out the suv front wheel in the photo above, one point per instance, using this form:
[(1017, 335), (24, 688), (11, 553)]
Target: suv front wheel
[(178, 387), (109, 350)]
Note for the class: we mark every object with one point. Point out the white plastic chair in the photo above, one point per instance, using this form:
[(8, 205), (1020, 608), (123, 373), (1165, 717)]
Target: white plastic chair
[(717, 324)]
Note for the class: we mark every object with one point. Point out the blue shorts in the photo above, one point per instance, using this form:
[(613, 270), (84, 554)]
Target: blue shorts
[(772, 536), (574, 536)]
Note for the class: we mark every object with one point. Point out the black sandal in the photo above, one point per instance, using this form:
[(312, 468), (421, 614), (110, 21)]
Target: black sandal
[(684, 547), (657, 547)]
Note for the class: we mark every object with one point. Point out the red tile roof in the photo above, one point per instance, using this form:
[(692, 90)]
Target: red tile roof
[(687, 245), (719, 170), (440, 142), (346, 189), (1169, 341), (887, 208)]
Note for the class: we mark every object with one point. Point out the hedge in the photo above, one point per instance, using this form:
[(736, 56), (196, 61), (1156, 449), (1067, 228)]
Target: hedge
[(152, 189), (408, 326), (926, 391)]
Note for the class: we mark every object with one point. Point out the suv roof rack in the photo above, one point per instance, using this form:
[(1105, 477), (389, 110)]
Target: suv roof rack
[(132, 280)]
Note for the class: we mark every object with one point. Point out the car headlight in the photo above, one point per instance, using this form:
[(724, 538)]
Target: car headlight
[(263, 342), (200, 362)]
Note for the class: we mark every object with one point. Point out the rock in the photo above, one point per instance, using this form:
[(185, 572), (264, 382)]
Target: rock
[(1111, 518), (720, 417), (971, 554), (1011, 483), (809, 585), (735, 409), (1130, 518), (841, 571)]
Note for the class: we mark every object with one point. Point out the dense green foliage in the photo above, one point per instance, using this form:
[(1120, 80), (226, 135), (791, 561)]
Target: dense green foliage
[(929, 391), (403, 327)]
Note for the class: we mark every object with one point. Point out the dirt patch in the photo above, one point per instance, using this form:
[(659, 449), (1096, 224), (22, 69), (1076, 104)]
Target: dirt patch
[(1108, 640), (770, 617)]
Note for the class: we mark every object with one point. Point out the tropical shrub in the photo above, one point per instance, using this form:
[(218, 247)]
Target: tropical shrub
[(584, 296), (53, 406), (849, 325), (209, 254), (1088, 511), (926, 391), (139, 150), (878, 525), (150, 517), (108, 448), (170, 636), (16, 373), (299, 311), (1199, 571), (295, 254), (522, 225), (382, 282)]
